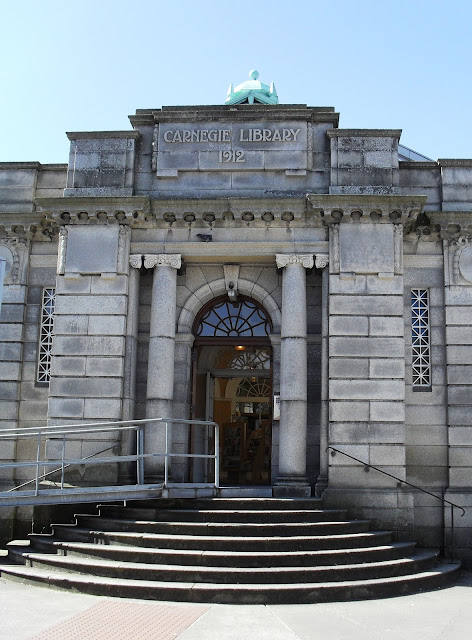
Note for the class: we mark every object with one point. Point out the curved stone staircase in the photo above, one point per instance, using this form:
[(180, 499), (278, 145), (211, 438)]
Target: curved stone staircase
[(226, 550)]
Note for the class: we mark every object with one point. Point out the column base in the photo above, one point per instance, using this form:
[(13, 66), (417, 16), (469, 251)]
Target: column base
[(321, 486), (291, 487)]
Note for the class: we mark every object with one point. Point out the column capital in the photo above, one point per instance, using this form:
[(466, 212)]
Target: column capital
[(162, 259), (285, 259), (321, 260), (136, 260)]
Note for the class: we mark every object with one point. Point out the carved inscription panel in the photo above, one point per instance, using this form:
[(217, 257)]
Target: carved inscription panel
[(218, 146)]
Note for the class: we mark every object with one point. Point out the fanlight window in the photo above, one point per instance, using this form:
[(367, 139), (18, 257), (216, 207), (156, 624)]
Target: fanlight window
[(242, 358), (259, 388), (228, 319)]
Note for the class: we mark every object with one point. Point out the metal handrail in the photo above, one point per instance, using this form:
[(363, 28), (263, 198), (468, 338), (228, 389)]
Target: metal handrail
[(62, 431), (50, 473), (368, 466)]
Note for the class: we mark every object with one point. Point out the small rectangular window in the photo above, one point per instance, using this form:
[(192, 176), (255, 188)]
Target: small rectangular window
[(48, 299), (420, 340)]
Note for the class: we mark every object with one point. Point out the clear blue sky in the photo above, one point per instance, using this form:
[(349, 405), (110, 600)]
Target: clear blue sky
[(87, 65)]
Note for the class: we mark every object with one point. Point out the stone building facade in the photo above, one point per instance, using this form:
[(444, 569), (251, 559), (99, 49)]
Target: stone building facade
[(212, 259)]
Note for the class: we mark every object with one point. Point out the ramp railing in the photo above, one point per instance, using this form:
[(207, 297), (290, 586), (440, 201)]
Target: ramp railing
[(42, 466)]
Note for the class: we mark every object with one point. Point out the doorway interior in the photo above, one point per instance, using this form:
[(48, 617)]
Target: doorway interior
[(232, 385)]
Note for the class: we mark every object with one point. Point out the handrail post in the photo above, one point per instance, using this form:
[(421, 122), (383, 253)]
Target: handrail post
[(452, 533), (217, 457), (63, 453), (166, 464), (38, 457), (140, 451)]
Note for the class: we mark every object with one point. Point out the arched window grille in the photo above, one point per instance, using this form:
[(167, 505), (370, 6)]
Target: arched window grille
[(241, 319)]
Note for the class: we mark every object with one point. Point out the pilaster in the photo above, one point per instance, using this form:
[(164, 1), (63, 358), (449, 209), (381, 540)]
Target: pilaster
[(15, 251), (366, 367), (90, 329), (458, 308)]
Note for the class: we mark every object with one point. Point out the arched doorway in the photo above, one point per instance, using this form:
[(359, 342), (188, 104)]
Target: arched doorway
[(232, 385)]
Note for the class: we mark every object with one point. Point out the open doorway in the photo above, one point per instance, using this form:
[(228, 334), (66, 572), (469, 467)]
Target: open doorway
[(232, 385)]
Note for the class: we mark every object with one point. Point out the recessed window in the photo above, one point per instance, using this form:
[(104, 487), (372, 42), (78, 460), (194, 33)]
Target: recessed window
[(48, 299), (420, 340)]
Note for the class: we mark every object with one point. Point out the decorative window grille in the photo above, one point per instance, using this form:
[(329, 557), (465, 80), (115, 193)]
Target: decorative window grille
[(420, 340), (232, 320), (46, 335)]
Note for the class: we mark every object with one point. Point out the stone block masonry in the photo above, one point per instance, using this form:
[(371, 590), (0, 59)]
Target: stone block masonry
[(88, 363), (367, 369)]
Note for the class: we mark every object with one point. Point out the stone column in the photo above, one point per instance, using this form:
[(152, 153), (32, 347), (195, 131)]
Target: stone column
[(160, 381), (291, 480)]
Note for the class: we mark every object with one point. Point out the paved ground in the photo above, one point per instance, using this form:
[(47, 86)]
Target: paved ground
[(35, 613)]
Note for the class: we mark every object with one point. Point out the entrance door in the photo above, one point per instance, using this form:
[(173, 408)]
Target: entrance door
[(232, 384), (242, 409)]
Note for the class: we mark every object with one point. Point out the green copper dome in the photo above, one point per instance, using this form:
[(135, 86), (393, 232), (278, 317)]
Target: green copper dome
[(252, 91)]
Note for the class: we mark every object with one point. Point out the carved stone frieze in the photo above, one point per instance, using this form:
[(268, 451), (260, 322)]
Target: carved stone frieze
[(62, 250), (286, 259), (460, 260), (124, 238), (334, 242), (15, 251), (155, 139), (398, 249)]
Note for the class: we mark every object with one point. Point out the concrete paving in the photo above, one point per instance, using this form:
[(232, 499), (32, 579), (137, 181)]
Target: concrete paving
[(34, 613)]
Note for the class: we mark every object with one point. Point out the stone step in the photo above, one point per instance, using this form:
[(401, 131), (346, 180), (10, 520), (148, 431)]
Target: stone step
[(235, 593), (98, 523), (238, 504), (421, 561), (49, 544), (223, 515), (223, 543)]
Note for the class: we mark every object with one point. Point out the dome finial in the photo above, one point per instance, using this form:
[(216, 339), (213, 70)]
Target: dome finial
[(254, 74)]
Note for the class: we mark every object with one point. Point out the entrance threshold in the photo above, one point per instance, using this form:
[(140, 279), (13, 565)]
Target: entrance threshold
[(196, 490), (250, 491)]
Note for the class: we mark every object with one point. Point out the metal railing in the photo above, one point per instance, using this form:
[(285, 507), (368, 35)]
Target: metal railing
[(61, 434), (453, 506)]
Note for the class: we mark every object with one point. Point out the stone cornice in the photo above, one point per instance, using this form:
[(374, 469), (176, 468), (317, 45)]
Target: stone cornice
[(332, 209), (235, 113), (33, 165), (445, 225), (93, 210), (80, 135), (455, 162), (413, 165), (369, 133)]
